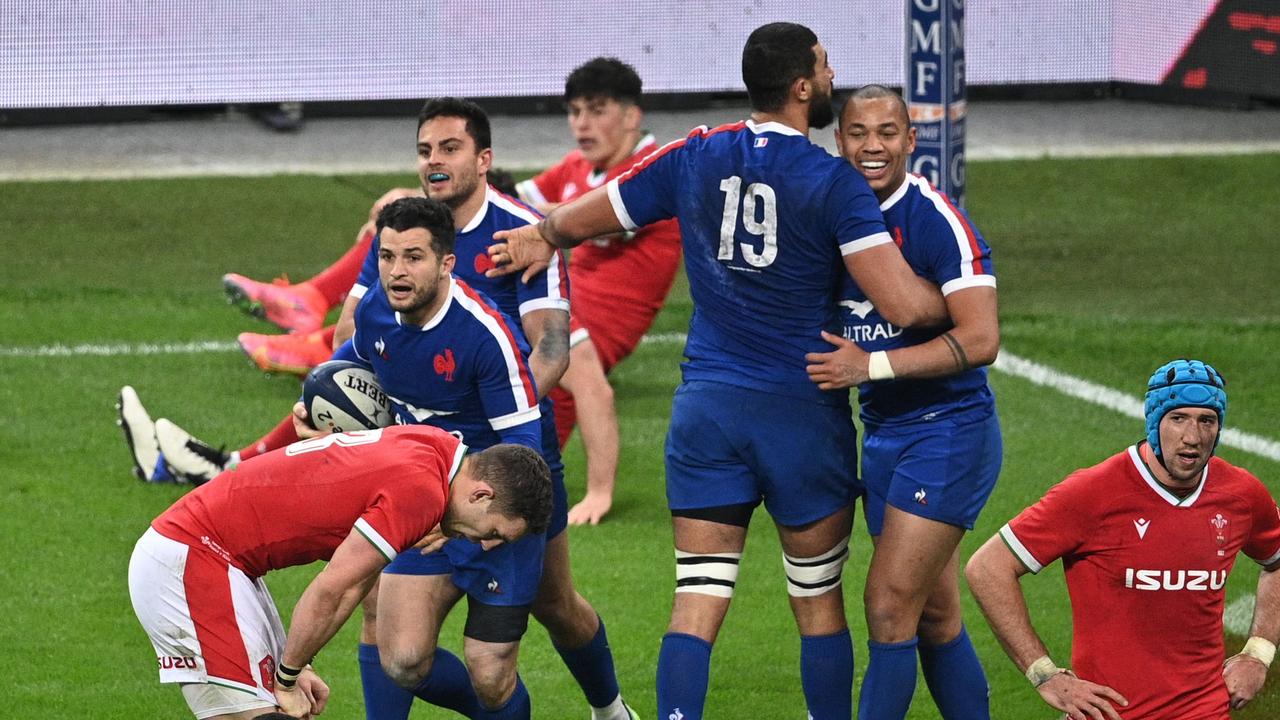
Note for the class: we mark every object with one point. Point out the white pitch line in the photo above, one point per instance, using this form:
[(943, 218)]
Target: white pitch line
[(1115, 400), (105, 350)]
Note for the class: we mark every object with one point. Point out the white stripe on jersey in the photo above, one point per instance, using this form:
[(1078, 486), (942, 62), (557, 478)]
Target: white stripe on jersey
[(528, 189), (547, 303), (953, 219), (502, 201), (357, 291), (510, 352), (865, 243), (967, 282), (1020, 550), (620, 210), (457, 461), (364, 528), (1174, 500), (516, 418)]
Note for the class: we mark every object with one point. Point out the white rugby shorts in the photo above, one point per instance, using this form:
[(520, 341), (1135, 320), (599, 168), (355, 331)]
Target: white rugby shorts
[(207, 620)]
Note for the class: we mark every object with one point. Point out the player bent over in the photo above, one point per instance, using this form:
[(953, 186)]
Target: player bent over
[(355, 499), (932, 448), (1147, 539)]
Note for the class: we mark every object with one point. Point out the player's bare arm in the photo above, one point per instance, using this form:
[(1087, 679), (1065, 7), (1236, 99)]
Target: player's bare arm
[(548, 334), (346, 325), (993, 574), (1246, 671), (568, 225), (902, 297), (330, 599), (973, 341)]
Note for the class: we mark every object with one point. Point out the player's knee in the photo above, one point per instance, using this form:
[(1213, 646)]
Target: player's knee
[(809, 577), (891, 607), (493, 674), (406, 665), (941, 621)]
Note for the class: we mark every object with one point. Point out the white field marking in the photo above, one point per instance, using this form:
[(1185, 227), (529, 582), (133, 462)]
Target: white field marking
[(1237, 618), (260, 168), (1115, 400), (118, 349)]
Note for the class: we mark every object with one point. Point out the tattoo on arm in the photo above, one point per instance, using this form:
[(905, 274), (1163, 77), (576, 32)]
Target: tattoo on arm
[(547, 229), (962, 360)]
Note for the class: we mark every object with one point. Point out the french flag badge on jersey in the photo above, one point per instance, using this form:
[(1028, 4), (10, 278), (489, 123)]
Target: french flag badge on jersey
[(761, 142)]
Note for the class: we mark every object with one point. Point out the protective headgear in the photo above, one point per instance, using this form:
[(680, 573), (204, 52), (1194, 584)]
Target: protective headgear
[(1183, 383)]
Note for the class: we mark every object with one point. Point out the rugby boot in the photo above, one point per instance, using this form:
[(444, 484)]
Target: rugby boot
[(190, 460), (295, 308)]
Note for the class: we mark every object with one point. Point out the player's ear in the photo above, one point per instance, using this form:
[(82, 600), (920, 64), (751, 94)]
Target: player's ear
[(481, 492), (632, 116), (911, 139), (484, 160), (802, 89), (447, 262)]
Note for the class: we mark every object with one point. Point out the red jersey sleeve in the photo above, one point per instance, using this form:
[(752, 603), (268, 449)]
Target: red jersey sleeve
[(1055, 526), (1263, 543), (409, 504), (548, 185)]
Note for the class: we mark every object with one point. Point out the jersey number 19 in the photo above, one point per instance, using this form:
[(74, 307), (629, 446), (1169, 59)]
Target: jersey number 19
[(759, 197)]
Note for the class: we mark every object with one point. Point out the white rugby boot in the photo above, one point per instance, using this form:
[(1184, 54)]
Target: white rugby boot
[(140, 434), (190, 460)]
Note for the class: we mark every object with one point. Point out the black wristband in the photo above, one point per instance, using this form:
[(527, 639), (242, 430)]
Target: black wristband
[(287, 676)]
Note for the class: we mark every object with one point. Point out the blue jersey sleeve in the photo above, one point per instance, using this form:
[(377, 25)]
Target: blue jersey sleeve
[(507, 393), (648, 192), (958, 257), (853, 212), (347, 351), (548, 290)]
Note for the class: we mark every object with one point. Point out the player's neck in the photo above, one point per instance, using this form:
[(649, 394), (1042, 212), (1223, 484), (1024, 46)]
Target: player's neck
[(465, 211), (626, 149), (1162, 476), (792, 115)]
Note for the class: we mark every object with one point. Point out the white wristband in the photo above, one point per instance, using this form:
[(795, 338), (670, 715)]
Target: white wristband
[(1041, 670), (1261, 649), (878, 367)]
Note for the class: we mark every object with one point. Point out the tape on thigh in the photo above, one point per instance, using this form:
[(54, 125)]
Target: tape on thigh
[(709, 574)]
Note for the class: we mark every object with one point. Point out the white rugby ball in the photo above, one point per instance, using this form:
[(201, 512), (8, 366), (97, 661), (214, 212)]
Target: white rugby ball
[(342, 396)]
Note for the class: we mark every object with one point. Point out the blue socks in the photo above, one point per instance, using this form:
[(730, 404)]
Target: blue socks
[(448, 685), (592, 666), (684, 664), (890, 681), (826, 674), (955, 679), (516, 708), (383, 698)]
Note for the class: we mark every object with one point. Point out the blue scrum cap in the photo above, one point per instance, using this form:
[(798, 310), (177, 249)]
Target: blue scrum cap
[(1183, 383)]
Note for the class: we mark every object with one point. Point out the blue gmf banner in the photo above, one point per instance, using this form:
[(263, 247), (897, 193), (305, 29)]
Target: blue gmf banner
[(934, 89)]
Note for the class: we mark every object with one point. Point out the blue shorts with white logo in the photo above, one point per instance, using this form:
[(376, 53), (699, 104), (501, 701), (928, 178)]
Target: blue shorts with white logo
[(729, 445), (942, 469), (507, 575)]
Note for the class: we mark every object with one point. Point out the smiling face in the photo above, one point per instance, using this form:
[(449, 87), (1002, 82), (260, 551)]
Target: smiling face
[(451, 167), (1187, 438), (412, 275), (875, 135)]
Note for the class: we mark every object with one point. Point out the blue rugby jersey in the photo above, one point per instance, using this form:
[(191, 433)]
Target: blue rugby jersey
[(942, 246), (546, 290), (464, 370), (765, 216)]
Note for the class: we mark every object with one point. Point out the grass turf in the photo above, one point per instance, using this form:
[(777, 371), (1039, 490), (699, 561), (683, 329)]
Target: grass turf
[(1107, 268)]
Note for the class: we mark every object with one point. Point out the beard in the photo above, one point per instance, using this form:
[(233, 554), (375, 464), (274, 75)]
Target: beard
[(821, 113), (416, 303), (462, 189)]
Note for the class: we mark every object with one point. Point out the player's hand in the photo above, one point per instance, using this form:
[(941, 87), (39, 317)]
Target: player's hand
[(1081, 699), (843, 367), (591, 509), (314, 689), (389, 197), (293, 701), (432, 541), (1244, 675), (522, 248), (302, 424)]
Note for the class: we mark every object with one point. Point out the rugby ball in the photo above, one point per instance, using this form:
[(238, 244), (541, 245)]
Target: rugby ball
[(342, 396)]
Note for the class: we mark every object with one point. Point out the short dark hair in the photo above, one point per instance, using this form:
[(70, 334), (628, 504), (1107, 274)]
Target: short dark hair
[(419, 212), (274, 715), (603, 77), (875, 92), (775, 56), (475, 116), (521, 483)]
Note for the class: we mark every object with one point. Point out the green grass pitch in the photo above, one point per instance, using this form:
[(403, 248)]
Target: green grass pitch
[(1107, 268)]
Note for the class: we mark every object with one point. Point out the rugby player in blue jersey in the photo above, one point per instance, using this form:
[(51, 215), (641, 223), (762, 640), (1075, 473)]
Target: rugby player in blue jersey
[(448, 357), (766, 218), (932, 449)]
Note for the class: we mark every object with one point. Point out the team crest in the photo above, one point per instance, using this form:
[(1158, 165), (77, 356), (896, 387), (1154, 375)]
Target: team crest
[(445, 364), (381, 347), (1219, 524), (267, 673)]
